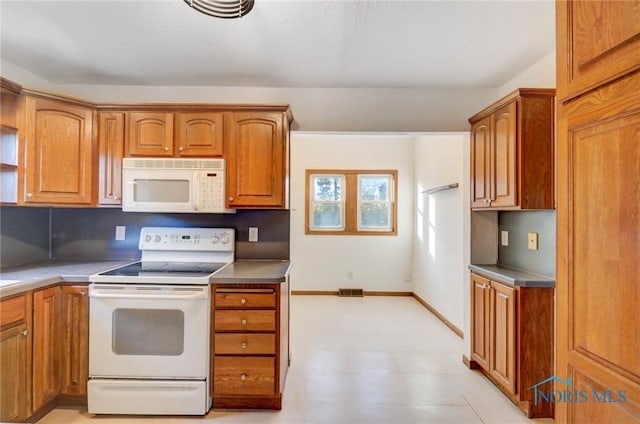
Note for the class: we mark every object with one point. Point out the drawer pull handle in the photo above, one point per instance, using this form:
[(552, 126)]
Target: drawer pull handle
[(244, 345), (244, 322), (243, 300), (25, 332), (243, 377)]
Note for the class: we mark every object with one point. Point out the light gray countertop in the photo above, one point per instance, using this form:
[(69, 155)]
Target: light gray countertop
[(28, 277), (512, 276), (33, 276), (254, 271)]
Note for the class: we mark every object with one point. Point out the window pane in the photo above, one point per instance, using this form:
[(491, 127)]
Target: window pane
[(327, 187), (374, 215), (374, 187), (327, 215)]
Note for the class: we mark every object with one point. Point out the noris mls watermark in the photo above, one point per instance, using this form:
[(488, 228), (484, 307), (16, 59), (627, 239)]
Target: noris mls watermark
[(573, 395)]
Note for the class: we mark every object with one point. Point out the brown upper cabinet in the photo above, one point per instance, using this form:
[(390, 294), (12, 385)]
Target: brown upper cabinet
[(57, 137), (257, 154), (512, 152), (196, 134), (111, 151)]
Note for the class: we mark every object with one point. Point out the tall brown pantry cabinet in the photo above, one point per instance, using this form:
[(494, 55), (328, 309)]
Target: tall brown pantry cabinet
[(598, 209)]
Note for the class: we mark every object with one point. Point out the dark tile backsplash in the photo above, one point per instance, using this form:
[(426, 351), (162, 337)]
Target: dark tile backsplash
[(89, 234), (517, 254), (24, 235)]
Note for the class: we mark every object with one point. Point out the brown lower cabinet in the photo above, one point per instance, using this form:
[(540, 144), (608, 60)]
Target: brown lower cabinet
[(512, 340), (250, 345), (44, 350)]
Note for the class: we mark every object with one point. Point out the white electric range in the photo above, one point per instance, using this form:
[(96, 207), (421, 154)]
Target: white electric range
[(149, 324)]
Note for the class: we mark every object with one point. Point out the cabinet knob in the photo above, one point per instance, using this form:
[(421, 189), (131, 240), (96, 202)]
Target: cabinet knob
[(487, 200), (29, 195), (244, 322), (115, 197), (243, 377), (24, 332), (83, 294), (166, 149), (243, 300), (243, 345), (231, 199), (180, 149)]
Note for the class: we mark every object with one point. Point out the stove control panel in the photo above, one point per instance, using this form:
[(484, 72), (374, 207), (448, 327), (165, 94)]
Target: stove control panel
[(191, 239)]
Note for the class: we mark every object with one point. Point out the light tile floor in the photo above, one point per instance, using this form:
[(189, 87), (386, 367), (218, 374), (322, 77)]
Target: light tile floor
[(362, 360)]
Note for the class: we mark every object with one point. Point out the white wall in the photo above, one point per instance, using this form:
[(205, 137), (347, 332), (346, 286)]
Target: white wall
[(541, 74), (378, 263), (441, 243)]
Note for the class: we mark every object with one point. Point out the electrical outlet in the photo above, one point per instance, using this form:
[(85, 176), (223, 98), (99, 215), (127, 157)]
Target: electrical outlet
[(253, 233), (533, 241), (504, 238), (120, 232)]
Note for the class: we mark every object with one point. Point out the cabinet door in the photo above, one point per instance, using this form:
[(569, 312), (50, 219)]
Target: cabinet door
[(503, 157), (481, 163), (599, 42), (149, 134), (75, 340), (111, 148), (46, 346), (15, 359), (256, 159), (59, 151), (502, 334), (199, 134), (480, 305)]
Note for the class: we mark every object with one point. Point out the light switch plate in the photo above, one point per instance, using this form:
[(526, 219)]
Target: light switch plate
[(533, 241), (504, 238), (253, 233), (120, 232)]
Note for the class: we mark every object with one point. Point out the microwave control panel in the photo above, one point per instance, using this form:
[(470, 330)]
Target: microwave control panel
[(211, 192)]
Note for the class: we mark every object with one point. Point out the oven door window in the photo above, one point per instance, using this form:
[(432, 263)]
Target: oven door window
[(151, 332), (165, 190)]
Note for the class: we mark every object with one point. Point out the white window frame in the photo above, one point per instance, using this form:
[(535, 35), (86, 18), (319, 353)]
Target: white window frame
[(341, 203), (388, 202)]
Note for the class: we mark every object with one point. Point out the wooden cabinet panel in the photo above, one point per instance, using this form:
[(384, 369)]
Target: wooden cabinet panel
[(502, 335), (149, 134), (480, 307), (598, 230), (46, 346), (245, 344), (245, 320), (15, 358), (481, 163), (503, 157), (512, 152), (58, 140), (257, 155), (75, 340), (597, 42), (241, 375), (111, 151), (199, 134), (245, 300)]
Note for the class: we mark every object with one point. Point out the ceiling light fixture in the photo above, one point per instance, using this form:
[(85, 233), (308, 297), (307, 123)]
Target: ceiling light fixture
[(227, 9)]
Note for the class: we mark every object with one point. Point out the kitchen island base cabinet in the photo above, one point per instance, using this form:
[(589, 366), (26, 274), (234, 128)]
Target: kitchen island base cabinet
[(512, 340), (250, 345)]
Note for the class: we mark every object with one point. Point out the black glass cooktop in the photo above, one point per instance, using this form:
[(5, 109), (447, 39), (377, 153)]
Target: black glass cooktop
[(166, 269)]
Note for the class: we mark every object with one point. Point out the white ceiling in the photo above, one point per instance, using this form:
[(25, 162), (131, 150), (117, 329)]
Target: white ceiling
[(416, 45)]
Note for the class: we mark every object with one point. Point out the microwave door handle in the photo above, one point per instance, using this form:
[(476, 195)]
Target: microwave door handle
[(196, 191)]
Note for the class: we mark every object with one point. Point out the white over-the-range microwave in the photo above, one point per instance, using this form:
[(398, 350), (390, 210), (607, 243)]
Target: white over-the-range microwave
[(174, 185)]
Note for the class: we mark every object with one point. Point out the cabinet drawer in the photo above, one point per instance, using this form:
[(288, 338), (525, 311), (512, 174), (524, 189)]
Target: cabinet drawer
[(245, 321), (13, 311), (245, 300), (233, 375), (245, 344)]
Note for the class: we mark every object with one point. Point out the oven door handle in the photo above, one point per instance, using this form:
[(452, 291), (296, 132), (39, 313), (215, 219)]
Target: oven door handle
[(177, 295)]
